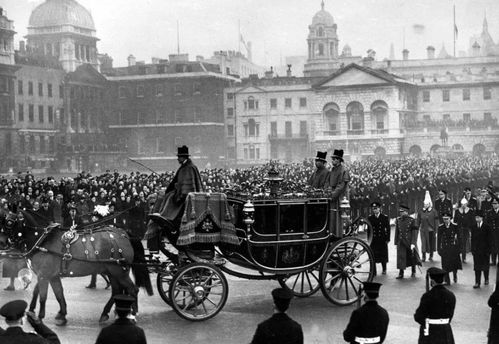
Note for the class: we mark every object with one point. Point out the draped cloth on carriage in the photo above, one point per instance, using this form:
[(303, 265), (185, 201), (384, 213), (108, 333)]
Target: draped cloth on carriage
[(207, 218)]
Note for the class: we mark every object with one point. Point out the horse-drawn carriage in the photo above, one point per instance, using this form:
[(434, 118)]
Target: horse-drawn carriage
[(305, 243)]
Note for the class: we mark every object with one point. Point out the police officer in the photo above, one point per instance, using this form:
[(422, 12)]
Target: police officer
[(369, 323), (318, 178), (123, 330), (13, 312), (435, 311), (279, 328), (381, 235)]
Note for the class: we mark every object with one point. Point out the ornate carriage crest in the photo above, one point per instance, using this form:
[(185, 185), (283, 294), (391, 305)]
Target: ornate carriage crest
[(290, 255), (207, 225)]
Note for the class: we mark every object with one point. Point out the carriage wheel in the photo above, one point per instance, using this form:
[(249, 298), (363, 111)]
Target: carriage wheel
[(198, 291), (303, 284), (348, 263), (163, 282), (360, 228)]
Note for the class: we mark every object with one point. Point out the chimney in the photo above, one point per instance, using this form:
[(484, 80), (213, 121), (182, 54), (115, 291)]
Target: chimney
[(131, 60), (22, 47), (269, 74), (288, 72), (430, 52), (475, 49), (405, 54)]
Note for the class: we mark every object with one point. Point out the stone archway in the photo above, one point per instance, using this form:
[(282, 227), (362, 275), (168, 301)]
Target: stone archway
[(380, 152), (434, 149), (415, 150), (478, 149)]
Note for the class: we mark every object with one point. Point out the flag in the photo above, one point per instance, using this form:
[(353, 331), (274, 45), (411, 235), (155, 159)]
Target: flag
[(455, 30), (242, 39)]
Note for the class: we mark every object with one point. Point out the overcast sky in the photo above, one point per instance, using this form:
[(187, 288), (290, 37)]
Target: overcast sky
[(277, 28)]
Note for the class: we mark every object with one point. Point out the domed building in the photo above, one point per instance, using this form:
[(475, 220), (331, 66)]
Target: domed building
[(64, 29)]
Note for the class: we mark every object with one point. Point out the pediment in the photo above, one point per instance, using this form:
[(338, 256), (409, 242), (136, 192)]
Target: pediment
[(354, 77), (251, 89)]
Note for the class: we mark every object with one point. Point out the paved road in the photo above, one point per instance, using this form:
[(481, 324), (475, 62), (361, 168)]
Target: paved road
[(250, 302)]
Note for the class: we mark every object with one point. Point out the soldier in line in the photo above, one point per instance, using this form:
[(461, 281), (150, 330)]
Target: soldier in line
[(318, 178), (449, 246), (427, 223), (435, 311), (369, 323), (406, 236), (381, 235), (481, 238)]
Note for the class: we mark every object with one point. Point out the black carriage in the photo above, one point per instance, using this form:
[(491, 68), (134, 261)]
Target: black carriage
[(306, 243)]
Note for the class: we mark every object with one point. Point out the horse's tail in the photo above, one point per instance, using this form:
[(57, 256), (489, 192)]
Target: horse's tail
[(139, 270)]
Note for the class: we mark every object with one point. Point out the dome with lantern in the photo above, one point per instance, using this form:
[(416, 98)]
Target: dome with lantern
[(323, 17), (61, 12)]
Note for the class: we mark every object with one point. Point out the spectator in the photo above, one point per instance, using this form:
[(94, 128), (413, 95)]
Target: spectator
[(481, 238)]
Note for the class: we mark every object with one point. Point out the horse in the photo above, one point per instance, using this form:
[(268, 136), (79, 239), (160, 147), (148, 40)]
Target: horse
[(55, 252)]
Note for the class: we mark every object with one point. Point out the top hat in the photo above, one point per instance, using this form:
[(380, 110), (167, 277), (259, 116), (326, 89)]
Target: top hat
[(281, 294), (123, 302), (13, 310), (371, 289), (375, 205), (338, 153), (436, 274), (321, 156), (183, 151)]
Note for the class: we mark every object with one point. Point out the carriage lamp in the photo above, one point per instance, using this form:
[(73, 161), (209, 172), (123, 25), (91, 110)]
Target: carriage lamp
[(345, 212), (274, 181), (249, 212)]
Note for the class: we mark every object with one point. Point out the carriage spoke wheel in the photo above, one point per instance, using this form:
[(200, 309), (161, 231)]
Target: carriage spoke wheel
[(198, 291), (163, 282), (348, 263), (302, 284)]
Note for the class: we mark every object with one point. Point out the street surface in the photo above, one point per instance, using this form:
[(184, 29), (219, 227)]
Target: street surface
[(250, 302)]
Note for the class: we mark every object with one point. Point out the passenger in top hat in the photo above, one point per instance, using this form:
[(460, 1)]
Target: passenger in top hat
[(279, 328), (435, 311), (318, 178), (381, 235), (406, 236), (339, 177), (481, 238), (14, 312), (368, 323), (123, 330), (187, 179)]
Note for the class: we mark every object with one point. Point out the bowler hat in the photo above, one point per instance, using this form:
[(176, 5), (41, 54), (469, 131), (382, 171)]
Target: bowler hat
[(372, 289), (123, 302), (338, 154), (13, 310), (436, 274), (183, 151), (321, 156)]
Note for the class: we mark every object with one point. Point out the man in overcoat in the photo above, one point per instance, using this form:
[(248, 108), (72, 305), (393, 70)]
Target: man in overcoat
[(494, 314), (435, 311), (318, 178), (443, 204), (406, 236), (492, 219), (380, 224), (338, 177), (472, 201), (448, 247), (369, 323), (481, 238), (123, 330), (279, 328)]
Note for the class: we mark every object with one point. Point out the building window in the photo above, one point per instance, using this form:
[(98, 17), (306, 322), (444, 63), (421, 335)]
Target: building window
[(257, 151), (159, 90), (140, 91), (287, 103), (303, 128), (30, 88), (196, 89), (303, 102), (19, 87), (20, 112), (487, 94), (177, 90), (32, 144), (61, 91), (321, 49), (487, 117), (230, 130), (252, 127), (40, 89), (252, 103), (252, 152), (230, 96), (466, 117), (446, 117), (427, 118), (50, 111), (288, 129), (273, 129), (178, 141), (42, 144), (245, 153), (178, 117), (22, 144), (40, 113), (230, 112), (121, 92), (51, 144), (445, 95), (466, 94), (31, 112), (141, 118), (231, 152), (320, 31), (273, 103), (49, 90)]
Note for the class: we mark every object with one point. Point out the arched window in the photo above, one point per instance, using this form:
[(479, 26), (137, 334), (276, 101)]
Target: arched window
[(320, 31), (415, 150), (379, 115), (355, 118), (478, 149), (380, 152), (332, 119), (252, 103), (435, 148), (321, 49)]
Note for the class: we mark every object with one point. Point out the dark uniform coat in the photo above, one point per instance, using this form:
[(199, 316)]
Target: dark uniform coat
[(464, 219), (370, 320), (406, 233), (437, 303), (16, 335), (472, 203), (480, 246), (443, 207), (278, 329), (449, 247), (381, 237), (494, 318), (122, 331), (318, 178), (493, 221)]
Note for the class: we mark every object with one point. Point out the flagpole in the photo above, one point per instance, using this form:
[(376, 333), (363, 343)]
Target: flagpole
[(454, 31), (239, 35), (178, 40)]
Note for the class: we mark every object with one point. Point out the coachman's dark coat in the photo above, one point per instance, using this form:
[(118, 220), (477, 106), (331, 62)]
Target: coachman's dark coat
[(370, 320), (437, 303), (449, 247), (381, 236), (122, 331)]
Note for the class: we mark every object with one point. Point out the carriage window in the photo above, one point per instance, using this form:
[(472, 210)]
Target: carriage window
[(265, 219), (292, 218), (316, 217)]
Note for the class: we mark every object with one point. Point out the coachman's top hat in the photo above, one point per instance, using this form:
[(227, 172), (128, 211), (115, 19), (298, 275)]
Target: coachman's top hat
[(183, 151), (338, 154), (321, 156)]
